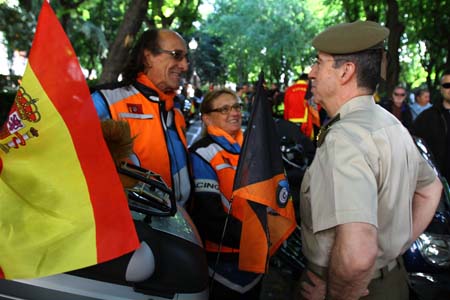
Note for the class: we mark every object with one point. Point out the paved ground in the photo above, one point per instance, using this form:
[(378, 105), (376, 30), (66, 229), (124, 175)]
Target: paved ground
[(278, 284)]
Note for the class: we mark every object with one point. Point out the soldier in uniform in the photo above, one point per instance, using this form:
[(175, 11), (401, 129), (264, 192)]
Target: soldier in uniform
[(368, 193)]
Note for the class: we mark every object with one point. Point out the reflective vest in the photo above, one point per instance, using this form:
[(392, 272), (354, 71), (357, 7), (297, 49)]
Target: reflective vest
[(222, 155), (158, 128), (296, 107)]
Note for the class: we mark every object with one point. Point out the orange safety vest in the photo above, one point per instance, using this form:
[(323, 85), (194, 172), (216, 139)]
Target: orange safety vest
[(144, 114), (224, 163)]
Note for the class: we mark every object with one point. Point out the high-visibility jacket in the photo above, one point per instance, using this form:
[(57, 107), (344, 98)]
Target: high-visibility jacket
[(158, 128), (296, 107), (214, 161)]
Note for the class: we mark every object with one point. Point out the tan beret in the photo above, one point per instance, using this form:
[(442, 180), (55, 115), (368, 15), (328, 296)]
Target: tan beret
[(350, 37)]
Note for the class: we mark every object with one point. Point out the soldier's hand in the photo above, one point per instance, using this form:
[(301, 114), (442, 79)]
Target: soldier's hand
[(313, 290)]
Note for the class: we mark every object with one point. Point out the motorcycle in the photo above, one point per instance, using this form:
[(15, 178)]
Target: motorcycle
[(179, 272), (428, 259)]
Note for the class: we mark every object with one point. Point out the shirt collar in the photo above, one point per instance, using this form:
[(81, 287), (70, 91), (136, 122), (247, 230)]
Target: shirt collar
[(356, 104)]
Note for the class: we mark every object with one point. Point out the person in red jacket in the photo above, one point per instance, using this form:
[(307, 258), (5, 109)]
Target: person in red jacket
[(297, 109)]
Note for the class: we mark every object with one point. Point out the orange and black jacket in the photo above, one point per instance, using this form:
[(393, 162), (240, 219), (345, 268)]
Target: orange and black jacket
[(158, 128), (214, 160)]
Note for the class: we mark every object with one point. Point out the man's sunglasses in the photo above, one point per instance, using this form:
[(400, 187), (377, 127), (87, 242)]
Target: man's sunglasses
[(177, 55), (226, 109), (446, 85)]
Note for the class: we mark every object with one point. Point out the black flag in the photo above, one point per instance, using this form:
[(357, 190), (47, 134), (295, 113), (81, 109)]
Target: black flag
[(260, 181)]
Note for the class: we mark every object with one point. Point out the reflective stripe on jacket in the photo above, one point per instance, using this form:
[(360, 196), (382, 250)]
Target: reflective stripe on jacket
[(296, 108), (214, 160)]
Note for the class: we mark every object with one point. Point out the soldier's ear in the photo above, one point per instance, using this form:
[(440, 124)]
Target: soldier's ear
[(348, 71)]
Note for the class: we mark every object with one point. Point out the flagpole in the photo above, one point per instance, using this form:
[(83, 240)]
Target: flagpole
[(220, 246)]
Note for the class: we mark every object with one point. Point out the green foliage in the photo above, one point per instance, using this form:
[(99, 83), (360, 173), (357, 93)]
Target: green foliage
[(207, 60), (176, 14), (424, 46), (242, 37), (91, 26), (18, 27), (433, 32), (268, 35)]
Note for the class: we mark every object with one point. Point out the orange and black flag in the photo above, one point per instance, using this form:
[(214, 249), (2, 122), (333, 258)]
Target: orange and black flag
[(62, 206), (260, 182)]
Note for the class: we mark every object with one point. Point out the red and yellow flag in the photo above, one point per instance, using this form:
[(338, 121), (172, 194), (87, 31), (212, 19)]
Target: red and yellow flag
[(269, 216), (62, 206)]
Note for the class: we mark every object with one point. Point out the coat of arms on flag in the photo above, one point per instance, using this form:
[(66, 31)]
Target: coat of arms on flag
[(62, 206)]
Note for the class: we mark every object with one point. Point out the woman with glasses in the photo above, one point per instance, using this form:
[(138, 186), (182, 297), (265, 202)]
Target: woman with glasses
[(145, 99), (214, 160), (397, 106)]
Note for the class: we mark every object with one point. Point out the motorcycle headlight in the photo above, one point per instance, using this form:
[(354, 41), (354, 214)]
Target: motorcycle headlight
[(435, 249)]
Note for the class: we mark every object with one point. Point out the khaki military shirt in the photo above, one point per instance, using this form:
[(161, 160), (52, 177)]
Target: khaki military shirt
[(366, 170)]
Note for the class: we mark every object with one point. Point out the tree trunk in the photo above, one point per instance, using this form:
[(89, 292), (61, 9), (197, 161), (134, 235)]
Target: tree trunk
[(396, 31), (118, 51)]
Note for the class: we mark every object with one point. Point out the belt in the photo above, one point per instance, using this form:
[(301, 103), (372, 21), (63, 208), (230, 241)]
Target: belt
[(380, 273)]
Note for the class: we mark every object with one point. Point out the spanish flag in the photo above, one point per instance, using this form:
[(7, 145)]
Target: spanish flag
[(269, 216), (62, 206)]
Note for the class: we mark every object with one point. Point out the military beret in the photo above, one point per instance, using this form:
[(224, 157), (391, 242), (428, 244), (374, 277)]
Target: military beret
[(351, 37)]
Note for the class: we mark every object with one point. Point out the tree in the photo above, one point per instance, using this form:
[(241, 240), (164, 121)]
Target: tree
[(93, 26), (432, 36), (165, 14), (265, 34), (242, 37), (119, 49), (17, 25), (88, 25), (207, 59), (396, 30), (412, 35)]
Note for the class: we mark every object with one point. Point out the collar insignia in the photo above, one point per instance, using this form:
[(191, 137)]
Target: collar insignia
[(324, 130)]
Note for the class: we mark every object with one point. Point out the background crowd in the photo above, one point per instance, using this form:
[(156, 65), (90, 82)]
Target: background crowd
[(295, 103)]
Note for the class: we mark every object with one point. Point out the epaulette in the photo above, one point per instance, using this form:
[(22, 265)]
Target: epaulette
[(324, 130)]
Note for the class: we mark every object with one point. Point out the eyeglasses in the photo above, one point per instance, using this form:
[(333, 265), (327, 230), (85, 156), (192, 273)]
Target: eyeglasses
[(178, 55), (399, 94), (446, 85), (226, 109)]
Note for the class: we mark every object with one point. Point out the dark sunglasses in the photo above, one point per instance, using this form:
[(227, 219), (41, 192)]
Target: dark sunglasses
[(226, 109), (399, 94), (446, 85), (178, 55)]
